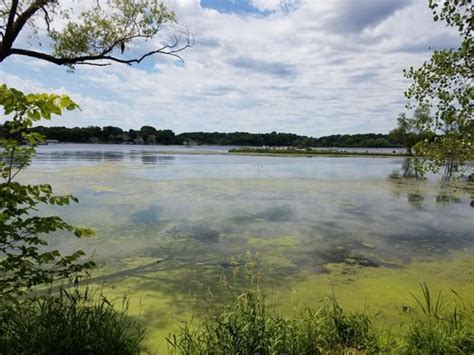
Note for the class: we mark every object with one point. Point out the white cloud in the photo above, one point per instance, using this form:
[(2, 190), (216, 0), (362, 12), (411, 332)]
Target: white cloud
[(325, 67), (274, 5)]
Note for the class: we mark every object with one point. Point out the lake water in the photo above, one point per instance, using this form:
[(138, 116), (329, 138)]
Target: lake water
[(179, 230)]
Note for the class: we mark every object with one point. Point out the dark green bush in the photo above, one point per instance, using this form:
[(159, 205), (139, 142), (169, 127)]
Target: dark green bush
[(74, 322)]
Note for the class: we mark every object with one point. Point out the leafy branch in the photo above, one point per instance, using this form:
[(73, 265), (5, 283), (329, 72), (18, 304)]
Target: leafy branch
[(25, 261)]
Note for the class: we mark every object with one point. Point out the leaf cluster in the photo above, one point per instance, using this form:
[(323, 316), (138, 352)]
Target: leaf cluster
[(25, 260), (445, 83), (107, 27)]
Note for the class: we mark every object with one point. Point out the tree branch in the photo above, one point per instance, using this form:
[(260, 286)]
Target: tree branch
[(171, 50), (11, 15), (25, 16), (95, 55)]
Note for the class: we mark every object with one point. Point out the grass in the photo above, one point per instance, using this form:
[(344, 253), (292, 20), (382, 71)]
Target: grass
[(251, 326), (78, 322), (440, 330), (71, 322), (309, 152)]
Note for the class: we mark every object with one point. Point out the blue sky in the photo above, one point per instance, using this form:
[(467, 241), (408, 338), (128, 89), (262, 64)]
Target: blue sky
[(229, 6), (308, 67)]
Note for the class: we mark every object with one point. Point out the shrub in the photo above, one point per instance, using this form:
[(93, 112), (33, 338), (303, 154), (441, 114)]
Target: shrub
[(439, 330), (250, 327), (75, 322)]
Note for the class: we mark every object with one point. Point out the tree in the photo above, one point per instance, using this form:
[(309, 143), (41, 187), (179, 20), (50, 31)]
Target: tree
[(24, 262), (148, 134), (407, 133), (165, 136), (112, 134), (445, 84), (102, 33)]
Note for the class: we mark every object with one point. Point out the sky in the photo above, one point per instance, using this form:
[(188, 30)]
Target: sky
[(310, 67)]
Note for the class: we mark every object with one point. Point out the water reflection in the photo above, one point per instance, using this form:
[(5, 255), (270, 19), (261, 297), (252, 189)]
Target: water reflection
[(203, 215), (148, 158), (149, 215), (182, 232), (407, 181), (407, 170), (75, 156)]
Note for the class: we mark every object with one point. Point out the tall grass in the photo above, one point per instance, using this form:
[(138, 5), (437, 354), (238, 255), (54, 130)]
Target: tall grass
[(78, 322), (71, 322), (439, 329), (250, 326)]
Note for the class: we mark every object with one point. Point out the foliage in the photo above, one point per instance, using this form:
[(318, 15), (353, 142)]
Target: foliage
[(151, 135), (445, 83), (250, 327), (24, 258), (95, 33), (407, 133), (439, 330), (71, 322)]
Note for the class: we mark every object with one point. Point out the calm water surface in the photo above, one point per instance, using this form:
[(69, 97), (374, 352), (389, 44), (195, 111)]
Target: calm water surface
[(178, 228)]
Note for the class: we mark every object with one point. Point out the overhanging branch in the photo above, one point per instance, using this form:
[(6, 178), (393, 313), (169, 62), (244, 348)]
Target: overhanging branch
[(91, 59)]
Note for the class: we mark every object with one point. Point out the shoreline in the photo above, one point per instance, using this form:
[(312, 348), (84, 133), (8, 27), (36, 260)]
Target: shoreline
[(315, 153)]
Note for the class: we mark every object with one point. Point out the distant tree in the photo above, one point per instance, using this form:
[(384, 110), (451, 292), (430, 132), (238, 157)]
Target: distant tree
[(102, 33), (133, 135), (445, 83), (112, 134), (165, 136), (148, 134)]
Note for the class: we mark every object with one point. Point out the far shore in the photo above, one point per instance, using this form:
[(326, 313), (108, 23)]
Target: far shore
[(310, 153)]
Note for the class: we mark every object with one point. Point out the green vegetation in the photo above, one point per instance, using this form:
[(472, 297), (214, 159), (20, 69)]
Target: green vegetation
[(151, 135), (445, 84), (438, 331), (80, 322), (250, 326), (309, 152), (407, 132), (71, 322), (24, 259)]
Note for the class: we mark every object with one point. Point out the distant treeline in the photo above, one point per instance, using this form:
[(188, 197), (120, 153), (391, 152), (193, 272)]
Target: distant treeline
[(151, 135)]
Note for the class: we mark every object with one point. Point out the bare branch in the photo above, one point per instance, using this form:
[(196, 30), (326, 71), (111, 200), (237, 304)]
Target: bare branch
[(47, 19)]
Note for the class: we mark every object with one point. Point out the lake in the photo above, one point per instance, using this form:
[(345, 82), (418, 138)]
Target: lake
[(182, 230)]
